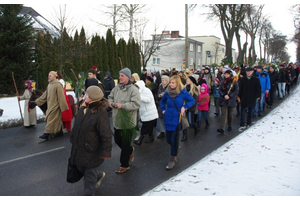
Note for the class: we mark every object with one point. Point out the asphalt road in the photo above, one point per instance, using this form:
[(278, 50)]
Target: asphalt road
[(32, 167)]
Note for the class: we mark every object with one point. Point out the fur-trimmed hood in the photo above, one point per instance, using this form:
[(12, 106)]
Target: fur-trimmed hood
[(96, 106)]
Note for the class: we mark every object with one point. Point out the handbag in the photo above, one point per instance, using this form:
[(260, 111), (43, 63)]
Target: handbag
[(183, 121), (73, 174)]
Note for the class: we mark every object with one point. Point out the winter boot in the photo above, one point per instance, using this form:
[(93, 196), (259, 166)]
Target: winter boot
[(184, 135), (171, 163), (151, 139), (207, 124), (45, 136), (139, 141), (195, 130)]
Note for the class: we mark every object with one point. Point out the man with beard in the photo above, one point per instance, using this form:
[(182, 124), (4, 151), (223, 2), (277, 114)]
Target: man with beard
[(56, 104)]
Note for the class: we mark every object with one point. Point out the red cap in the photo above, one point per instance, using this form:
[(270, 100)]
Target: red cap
[(94, 67)]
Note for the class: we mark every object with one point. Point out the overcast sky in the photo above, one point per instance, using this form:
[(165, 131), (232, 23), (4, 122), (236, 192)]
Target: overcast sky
[(168, 16)]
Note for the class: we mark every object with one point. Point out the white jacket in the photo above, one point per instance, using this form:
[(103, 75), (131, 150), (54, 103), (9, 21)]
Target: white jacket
[(148, 110)]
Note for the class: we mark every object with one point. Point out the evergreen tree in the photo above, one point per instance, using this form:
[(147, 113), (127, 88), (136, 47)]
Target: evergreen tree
[(104, 57), (16, 38), (111, 45)]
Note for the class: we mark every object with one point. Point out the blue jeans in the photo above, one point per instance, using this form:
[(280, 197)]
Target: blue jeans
[(249, 115), (172, 138), (259, 104), (191, 118), (281, 89), (200, 113)]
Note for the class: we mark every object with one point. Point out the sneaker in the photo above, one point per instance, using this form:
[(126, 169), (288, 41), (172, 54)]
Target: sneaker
[(121, 170), (171, 163), (99, 180), (131, 157)]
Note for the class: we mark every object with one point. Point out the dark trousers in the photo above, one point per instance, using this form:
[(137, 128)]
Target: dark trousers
[(172, 138), (227, 115), (217, 105), (123, 139), (249, 115), (90, 178), (147, 127)]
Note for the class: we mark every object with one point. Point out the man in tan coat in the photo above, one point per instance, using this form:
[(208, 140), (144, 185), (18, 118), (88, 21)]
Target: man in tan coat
[(56, 104)]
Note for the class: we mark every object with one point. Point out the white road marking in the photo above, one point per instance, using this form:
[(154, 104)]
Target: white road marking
[(32, 155)]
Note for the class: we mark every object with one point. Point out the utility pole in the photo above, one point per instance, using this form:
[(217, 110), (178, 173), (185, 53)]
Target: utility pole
[(186, 38)]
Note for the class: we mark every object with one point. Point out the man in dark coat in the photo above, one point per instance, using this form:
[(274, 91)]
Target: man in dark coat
[(273, 74), (108, 83), (249, 92)]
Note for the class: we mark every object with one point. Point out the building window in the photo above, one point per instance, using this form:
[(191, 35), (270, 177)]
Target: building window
[(156, 61), (191, 61), (199, 49), (191, 47), (199, 62)]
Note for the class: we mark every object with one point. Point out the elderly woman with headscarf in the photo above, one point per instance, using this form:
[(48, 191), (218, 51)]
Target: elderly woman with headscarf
[(29, 114)]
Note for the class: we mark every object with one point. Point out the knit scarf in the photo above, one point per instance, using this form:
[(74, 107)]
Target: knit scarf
[(226, 81), (172, 92)]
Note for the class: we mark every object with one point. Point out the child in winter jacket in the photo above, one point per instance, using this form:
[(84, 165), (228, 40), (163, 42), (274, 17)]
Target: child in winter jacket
[(203, 106), (216, 94)]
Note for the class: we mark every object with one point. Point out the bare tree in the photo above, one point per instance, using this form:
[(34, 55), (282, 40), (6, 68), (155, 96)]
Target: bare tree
[(265, 33), (251, 25), (131, 11), (230, 17), (116, 13)]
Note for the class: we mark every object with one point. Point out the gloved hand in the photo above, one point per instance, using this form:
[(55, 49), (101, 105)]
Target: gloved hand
[(32, 105)]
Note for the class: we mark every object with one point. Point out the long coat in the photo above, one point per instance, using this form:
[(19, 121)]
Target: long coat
[(91, 135), (29, 114), (249, 91), (171, 115), (56, 104)]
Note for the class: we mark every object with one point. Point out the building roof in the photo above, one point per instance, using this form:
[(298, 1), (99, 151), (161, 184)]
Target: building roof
[(41, 23)]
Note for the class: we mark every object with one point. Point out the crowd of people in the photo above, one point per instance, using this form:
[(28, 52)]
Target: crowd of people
[(166, 102)]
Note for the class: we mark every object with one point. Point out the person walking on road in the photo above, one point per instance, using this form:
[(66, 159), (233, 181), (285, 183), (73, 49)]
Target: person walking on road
[(125, 102), (29, 114), (91, 139), (228, 92), (174, 102), (203, 106), (148, 113), (160, 126), (56, 104), (249, 92)]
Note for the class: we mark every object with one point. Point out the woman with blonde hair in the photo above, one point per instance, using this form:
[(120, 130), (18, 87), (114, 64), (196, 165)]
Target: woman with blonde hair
[(191, 87), (160, 126), (174, 103), (134, 78)]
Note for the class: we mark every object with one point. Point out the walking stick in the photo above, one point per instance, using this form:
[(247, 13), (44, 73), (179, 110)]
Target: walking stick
[(121, 63), (12, 74)]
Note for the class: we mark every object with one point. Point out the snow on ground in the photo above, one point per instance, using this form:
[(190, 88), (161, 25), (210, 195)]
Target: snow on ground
[(11, 115), (264, 160)]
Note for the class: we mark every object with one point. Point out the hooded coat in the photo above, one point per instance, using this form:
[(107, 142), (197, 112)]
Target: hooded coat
[(203, 100), (148, 109), (56, 104), (91, 135), (29, 114)]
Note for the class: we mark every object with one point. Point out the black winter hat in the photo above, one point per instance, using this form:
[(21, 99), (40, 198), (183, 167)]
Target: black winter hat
[(193, 80)]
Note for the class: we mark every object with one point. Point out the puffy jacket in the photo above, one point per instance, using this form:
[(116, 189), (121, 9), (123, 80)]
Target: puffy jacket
[(215, 90), (264, 80), (171, 115), (204, 98), (91, 135), (148, 109)]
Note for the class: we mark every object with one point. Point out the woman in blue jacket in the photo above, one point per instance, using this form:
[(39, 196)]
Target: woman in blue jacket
[(175, 101)]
